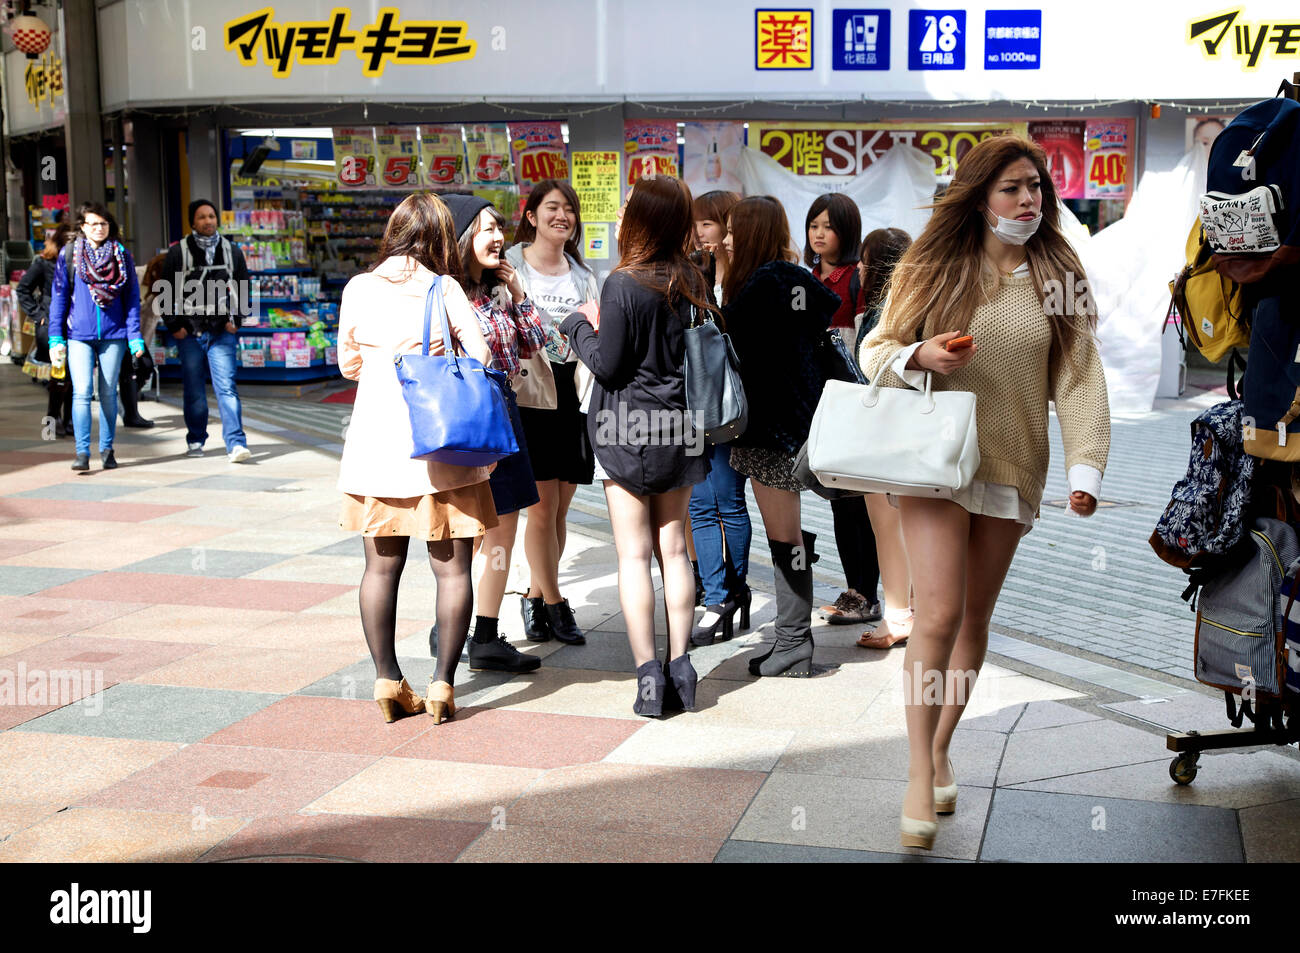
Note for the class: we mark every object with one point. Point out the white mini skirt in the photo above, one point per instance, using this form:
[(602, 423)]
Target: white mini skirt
[(997, 500)]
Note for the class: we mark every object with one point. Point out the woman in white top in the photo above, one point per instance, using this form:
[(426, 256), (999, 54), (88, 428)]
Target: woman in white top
[(390, 497), (547, 257)]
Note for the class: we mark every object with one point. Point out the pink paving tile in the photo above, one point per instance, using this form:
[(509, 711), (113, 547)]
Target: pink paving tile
[(521, 844), (348, 837), (112, 660), (12, 508), (292, 780), (16, 547), (700, 803), (38, 615), (251, 669), (28, 458), (177, 623), (198, 591), (522, 739), (309, 723)]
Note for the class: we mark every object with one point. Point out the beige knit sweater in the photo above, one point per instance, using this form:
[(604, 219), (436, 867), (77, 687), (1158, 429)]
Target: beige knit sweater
[(1013, 375)]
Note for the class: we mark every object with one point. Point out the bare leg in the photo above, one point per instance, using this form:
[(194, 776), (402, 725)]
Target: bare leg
[(895, 578), (498, 545), (993, 545), (566, 492), (668, 517), (542, 546), (634, 541), (780, 510), (937, 534)]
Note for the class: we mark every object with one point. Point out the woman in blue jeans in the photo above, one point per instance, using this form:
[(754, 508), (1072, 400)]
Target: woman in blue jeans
[(94, 319)]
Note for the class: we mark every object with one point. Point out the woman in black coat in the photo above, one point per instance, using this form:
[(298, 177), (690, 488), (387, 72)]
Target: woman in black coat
[(778, 316), (642, 435), (39, 279)]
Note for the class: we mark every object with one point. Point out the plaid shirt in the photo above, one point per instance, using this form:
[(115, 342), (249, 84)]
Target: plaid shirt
[(512, 331)]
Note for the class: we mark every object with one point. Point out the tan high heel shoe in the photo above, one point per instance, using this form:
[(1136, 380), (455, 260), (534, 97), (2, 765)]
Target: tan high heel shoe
[(397, 699), (945, 798), (441, 703), (914, 833)]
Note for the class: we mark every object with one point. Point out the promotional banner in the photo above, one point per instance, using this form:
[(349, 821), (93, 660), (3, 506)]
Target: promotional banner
[(442, 156), (712, 154), (354, 157), (1062, 140), (397, 158), (487, 147), (1203, 130), (1108, 153), (539, 153), (651, 148), (849, 148), (595, 179)]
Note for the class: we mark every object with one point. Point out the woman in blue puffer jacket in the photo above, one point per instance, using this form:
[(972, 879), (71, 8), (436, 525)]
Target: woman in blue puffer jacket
[(94, 318)]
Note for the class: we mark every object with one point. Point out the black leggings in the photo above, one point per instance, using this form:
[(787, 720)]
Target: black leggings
[(385, 559), (856, 542)]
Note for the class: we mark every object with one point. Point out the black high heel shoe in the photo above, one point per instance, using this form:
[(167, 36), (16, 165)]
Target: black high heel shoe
[(708, 634), (650, 689), (740, 603)]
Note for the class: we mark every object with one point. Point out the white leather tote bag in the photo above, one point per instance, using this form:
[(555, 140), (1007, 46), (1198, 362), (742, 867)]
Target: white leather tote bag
[(894, 440)]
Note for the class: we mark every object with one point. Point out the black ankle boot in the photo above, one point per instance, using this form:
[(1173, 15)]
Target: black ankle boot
[(679, 688), (649, 689), (490, 652), (740, 603), (793, 651), (537, 626), (563, 626)]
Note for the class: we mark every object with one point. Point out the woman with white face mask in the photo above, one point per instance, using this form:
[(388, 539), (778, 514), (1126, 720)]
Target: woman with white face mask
[(992, 274)]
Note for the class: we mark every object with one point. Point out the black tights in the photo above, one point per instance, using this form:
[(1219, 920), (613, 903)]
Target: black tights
[(385, 559), (856, 543)]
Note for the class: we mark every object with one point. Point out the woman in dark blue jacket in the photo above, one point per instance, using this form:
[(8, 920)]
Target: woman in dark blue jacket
[(778, 316), (94, 318)]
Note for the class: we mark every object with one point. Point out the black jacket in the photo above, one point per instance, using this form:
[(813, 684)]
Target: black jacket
[(778, 324), (169, 300), (637, 423), (39, 275)]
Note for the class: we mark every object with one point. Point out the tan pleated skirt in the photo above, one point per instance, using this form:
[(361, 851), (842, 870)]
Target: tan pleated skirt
[(463, 513)]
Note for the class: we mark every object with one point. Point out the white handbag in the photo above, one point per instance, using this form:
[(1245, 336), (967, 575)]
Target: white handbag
[(893, 440)]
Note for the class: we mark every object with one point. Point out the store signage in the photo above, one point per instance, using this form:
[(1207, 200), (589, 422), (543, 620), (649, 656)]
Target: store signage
[(442, 152), (1249, 40), (810, 148), (936, 39), (860, 39), (1062, 141), (1013, 39), (1108, 154), (539, 152), (783, 39), (595, 179), (487, 145), (651, 147), (43, 79), (398, 156), (320, 42)]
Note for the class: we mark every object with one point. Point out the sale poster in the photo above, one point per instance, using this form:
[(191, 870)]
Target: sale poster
[(1108, 154), (397, 158), (442, 156), (354, 157), (711, 156), (487, 147), (539, 153), (1062, 140), (595, 179), (651, 148)]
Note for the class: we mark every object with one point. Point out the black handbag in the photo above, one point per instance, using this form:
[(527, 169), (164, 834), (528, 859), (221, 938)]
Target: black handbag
[(142, 368), (715, 396)]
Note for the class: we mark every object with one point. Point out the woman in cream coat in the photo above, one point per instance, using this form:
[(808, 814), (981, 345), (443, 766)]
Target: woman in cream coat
[(389, 497)]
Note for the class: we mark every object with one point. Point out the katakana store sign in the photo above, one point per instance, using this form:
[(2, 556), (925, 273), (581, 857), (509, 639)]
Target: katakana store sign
[(34, 90)]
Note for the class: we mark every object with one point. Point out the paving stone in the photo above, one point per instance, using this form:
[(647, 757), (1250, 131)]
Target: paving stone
[(756, 852), (25, 580), (1032, 827), (206, 561)]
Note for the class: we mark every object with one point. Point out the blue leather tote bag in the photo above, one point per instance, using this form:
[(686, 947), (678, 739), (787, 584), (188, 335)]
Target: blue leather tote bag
[(458, 407)]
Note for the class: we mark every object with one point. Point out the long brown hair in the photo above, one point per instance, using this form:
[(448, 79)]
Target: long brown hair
[(489, 278), (655, 236), (759, 233), (421, 227), (943, 277), (881, 251), (526, 231), (55, 239)]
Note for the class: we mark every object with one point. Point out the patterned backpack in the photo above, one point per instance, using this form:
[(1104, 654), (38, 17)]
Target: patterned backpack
[(1207, 511)]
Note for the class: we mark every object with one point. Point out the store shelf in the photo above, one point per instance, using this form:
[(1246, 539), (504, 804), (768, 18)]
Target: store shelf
[(273, 372), (261, 330), (295, 270)]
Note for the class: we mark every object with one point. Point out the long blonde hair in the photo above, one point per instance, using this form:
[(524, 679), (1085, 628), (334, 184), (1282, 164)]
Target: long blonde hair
[(942, 278)]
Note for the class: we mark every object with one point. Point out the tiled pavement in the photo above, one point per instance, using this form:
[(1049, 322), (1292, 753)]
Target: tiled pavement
[(182, 677)]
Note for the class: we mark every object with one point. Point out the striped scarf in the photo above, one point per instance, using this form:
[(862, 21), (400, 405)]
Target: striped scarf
[(209, 245)]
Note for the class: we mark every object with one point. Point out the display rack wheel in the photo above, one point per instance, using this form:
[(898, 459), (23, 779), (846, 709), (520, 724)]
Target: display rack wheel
[(1183, 768)]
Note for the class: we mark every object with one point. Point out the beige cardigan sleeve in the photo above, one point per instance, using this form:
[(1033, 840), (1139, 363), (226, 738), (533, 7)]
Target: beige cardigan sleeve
[(877, 351), (1078, 386)]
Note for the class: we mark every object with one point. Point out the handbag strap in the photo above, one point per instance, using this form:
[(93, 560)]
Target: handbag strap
[(434, 297), (873, 387)]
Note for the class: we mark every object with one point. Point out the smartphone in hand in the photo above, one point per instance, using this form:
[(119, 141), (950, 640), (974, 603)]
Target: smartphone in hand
[(957, 344)]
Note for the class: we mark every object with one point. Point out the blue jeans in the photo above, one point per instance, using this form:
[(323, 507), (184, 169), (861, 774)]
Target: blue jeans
[(718, 505), (199, 354), (83, 356)]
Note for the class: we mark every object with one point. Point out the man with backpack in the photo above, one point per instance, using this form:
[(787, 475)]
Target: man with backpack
[(203, 313)]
